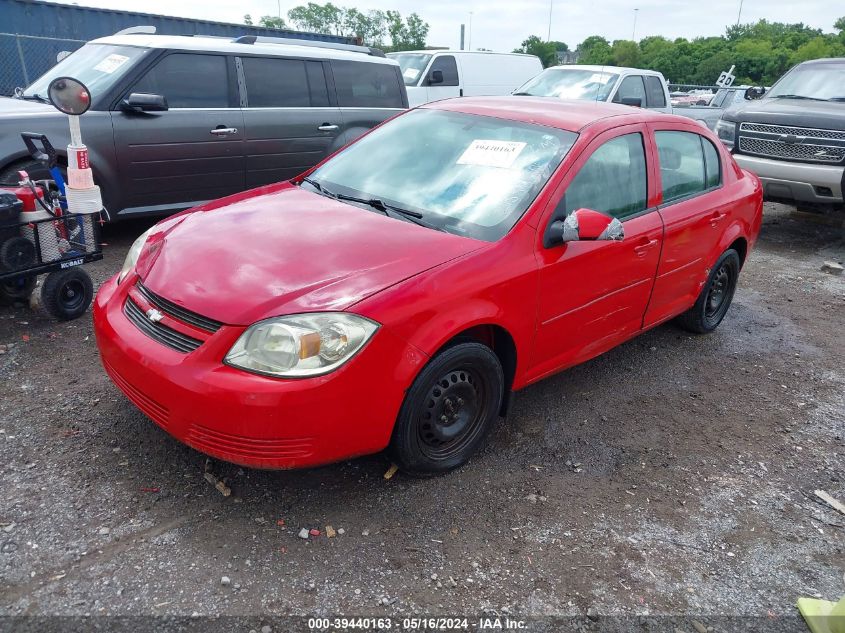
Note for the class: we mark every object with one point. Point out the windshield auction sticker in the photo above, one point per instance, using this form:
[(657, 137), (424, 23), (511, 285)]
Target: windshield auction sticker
[(111, 63), (486, 153)]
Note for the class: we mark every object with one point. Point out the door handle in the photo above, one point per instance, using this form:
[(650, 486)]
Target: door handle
[(717, 217), (223, 131), (327, 127), (641, 249)]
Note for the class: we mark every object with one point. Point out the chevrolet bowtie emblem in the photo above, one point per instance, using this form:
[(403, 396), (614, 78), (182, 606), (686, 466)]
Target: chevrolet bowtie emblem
[(154, 315)]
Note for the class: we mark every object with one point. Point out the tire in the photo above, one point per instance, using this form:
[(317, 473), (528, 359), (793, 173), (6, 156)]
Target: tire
[(15, 291), (715, 297), (66, 294), (449, 410), (36, 171), (16, 253)]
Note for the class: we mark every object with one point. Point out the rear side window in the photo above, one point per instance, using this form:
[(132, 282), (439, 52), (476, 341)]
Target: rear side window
[(189, 81), (276, 83), (689, 164), (654, 89), (631, 88), (613, 180), (364, 85), (447, 65)]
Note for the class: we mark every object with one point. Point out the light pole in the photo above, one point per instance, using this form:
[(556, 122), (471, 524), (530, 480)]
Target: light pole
[(549, 36), (469, 39), (739, 15), (634, 35)]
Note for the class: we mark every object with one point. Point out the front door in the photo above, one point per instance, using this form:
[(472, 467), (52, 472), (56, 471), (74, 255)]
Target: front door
[(190, 153), (443, 80), (290, 123), (593, 295)]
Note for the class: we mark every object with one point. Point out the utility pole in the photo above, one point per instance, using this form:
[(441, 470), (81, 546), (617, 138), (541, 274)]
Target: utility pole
[(279, 7), (739, 15), (634, 35), (549, 36), (463, 33), (469, 43)]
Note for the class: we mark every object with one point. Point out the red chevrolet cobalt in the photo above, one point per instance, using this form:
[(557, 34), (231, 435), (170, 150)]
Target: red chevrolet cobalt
[(396, 295)]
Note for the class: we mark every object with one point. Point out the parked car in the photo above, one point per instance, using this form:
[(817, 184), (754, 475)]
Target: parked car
[(793, 138), (397, 294), (697, 97), (433, 75), (176, 121), (629, 86), (709, 115)]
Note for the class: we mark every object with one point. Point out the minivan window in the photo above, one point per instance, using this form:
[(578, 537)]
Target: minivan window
[(689, 164), (466, 174), (364, 85), (621, 163), (275, 82), (570, 83), (98, 66), (631, 88), (656, 96), (447, 65), (189, 81), (411, 65)]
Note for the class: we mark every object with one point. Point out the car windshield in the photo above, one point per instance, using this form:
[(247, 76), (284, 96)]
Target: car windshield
[(412, 65), (814, 81), (465, 174), (98, 66), (571, 83)]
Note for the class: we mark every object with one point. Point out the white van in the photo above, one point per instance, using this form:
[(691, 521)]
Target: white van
[(434, 75)]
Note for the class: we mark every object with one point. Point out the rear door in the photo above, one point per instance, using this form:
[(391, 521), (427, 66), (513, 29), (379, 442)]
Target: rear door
[(694, 216), (290, 121), (368, 92), (190, 153)]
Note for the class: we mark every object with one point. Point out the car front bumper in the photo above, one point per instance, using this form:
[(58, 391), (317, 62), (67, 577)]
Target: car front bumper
[(253, 420), (802, 182)]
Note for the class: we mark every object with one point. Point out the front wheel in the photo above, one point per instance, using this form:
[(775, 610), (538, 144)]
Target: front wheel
[(66, 294), (715, 297), (449, 410), (16, 291)]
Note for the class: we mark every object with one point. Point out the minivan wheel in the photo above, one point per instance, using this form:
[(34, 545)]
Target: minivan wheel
[(715, 297), (449, 410)]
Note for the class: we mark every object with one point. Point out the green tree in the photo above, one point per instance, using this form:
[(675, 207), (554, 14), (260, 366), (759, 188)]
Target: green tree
[(546, 51), (248, 19), (272, 22), (625, 53), (595, 50)]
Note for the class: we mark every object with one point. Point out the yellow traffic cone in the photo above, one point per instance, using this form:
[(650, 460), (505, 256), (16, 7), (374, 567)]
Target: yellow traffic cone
[(823, 616)]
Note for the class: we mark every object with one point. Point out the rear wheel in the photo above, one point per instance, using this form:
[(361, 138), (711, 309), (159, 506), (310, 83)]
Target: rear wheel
[(17, 290), (66, 294), (449, 410), (715, 297)]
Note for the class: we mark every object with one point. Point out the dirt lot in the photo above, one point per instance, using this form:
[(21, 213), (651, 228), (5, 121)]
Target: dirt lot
[(674, 475)]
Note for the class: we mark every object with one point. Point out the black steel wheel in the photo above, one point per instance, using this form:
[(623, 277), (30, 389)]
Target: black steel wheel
[(449, 410), (16, 291), (16, 253), (66, 294), (715, 297)]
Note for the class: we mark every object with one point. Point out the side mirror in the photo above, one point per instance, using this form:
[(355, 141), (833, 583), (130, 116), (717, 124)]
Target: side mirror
[(143, 102), (585, 225), (435, 77), (69, 96), (754, 93), (632, 101)]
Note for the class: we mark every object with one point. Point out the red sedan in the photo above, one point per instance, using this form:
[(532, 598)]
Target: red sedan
[(396, 295)]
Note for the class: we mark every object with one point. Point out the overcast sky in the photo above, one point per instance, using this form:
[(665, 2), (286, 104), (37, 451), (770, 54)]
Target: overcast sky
[(502, 24)]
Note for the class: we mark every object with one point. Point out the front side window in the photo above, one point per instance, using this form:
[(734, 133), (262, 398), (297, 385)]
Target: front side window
[(631, 88), (187, 80), (466, 174), (98, 66), (613, 180), (366, 85), (447, 65), (276, 83), (689, 164), (656, 96), (570, 83)]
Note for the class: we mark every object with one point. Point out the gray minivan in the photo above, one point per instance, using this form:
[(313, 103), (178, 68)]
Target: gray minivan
[(176, 121)]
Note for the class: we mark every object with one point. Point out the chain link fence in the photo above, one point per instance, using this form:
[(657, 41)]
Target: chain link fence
[(24, 58)]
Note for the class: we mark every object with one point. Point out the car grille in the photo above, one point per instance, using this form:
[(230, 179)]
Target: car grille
[(217, 442), (178, 312), (158, 332), (156, 412), (792, 143)]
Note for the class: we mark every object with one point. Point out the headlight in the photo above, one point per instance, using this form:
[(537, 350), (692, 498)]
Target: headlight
[(726, 131), (133, 254), (301, 344)]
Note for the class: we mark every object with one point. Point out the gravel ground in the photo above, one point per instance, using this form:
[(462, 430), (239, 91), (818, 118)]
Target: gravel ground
[(673, 475)]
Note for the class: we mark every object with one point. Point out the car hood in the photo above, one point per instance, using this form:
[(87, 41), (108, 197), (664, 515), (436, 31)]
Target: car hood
[(828, 115), (10, 107), (284, 250)]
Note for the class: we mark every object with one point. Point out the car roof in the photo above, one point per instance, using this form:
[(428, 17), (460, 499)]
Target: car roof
[(459, 52), (563, 114), (607, 69), (226, 45)]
